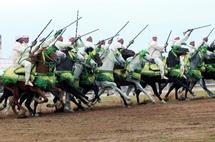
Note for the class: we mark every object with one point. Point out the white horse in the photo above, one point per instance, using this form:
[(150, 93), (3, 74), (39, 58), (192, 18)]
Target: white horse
[(134, 67), (105, 77)]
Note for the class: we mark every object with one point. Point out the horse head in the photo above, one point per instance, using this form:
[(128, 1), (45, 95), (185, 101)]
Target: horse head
[(94, 56), (126, 53), (174, 55)]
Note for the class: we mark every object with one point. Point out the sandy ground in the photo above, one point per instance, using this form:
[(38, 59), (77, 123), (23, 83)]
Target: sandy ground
[(109, 121)]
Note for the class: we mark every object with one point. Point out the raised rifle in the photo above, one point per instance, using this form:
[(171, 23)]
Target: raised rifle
[(76, 30), (200, 47), (167, 40), (112, 37), (197, 28), (71, 23), (132, 41), (80, 36), (42, 42), (35, 40)]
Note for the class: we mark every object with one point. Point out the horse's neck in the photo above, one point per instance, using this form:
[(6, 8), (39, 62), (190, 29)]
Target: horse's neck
[(41, 66), (172, 59), (108, 62), (136, 63), (195, 60)]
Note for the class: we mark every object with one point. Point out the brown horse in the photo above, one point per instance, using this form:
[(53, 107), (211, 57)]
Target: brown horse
[(44, 64)]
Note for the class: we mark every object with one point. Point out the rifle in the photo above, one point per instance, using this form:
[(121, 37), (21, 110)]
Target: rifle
[(80, 36), (71, 23), (42, 42), (199, 48), (210, 33), (197, 28), (132, 41), (112, 37), (76, 30), (35, 40), (167, 40)]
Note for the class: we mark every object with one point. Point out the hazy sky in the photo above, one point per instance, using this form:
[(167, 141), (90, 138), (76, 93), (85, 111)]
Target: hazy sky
[(28, 17)]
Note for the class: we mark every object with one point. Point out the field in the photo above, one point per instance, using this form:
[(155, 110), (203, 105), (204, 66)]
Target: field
[(109, 121)]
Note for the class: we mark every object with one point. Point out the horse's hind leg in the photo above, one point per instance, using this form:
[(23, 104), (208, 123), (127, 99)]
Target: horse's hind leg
[(169, 91), (28, 103), (203, 85)]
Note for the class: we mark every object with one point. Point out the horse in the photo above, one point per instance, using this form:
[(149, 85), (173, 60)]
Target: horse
[(87, 78), (43, 76), (199, 69), (174, 73), (105, 76)]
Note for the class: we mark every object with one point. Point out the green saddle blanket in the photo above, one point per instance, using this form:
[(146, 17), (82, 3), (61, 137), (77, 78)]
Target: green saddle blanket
[(10, 77), (20, 70), (43, 81), (121, 73), (151, 70)]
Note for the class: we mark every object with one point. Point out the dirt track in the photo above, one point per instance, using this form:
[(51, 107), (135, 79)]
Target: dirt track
[(175, 121)]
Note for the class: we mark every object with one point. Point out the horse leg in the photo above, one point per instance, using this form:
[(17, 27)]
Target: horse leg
[(6, 93), (176, 92), (108, 84), (79, 106), (139, 87), (96, 92), (15, 103), (185, 85), (41, 93), (154, 88), (67, 106), (169, 91), (28, 103), (203, 85)]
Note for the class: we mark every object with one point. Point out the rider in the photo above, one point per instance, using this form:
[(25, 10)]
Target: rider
[(118, 44), (21, 56), (155, 52), (89, 42), (177, 43)]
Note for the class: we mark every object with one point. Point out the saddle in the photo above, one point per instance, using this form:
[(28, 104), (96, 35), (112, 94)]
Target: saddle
[(10, 77), (121, 72), (20, 70), (150, 70)]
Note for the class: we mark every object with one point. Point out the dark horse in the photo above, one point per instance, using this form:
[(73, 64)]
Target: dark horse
[(86, 81), (200, 68), (173, 62)]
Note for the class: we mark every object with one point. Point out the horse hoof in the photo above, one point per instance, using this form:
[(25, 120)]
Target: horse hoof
[(67, 109), (35, 114), (163, 101)]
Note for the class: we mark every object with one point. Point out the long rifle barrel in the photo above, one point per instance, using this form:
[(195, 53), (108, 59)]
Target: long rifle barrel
[(88, 33), (71, 23), (167, 40), (76, 30), (121, 29), (132, 41), (44, 29), (35, 40), (201, 27), (210, 32), (42, 42)]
